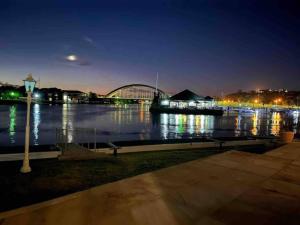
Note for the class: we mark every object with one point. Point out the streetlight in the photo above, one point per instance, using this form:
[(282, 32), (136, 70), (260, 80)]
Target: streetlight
[(279, 99), (255, 101), (276, 102), (29, 84)]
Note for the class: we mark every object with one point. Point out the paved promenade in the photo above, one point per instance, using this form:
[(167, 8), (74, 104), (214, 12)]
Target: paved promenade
[(229, 188)]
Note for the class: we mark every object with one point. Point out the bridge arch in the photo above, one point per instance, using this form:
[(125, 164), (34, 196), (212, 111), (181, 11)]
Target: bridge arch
[(135, 91)]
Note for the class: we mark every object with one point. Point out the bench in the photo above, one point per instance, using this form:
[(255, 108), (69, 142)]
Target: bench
[(219, 142)]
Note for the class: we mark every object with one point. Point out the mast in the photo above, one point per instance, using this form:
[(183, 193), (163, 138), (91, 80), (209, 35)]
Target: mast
[(156, 82)]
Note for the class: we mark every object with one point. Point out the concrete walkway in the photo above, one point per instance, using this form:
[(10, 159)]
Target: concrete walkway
[(32, 155), (229, 188)]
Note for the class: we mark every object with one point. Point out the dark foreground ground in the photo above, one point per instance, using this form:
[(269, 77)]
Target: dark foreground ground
[(52, 178)]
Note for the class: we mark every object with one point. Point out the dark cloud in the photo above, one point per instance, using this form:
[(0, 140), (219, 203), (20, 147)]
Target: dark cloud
[(84, 63), (88, 40)]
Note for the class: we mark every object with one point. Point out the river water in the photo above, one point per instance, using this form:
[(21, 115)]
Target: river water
[(103, 123)]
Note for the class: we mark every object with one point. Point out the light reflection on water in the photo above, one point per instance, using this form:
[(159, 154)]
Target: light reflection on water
[(36, 123), (295, 120), (275, 126), (255, 123), (67, 121), (12, 123), (131, 122)]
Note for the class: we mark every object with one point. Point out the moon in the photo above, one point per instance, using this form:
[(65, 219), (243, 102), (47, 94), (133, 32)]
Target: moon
[(72, 58)]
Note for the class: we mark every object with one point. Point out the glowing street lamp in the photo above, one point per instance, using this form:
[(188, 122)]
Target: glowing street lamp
[(255, 101), (279, 100), (29, 84)]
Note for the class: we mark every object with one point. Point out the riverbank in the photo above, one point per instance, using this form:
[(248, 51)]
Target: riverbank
[(52, 178), (107, 101), (100, 145), (103, 101)]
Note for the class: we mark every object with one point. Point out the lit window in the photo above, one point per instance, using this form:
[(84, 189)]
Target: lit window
[(192, 104), (165, 102)]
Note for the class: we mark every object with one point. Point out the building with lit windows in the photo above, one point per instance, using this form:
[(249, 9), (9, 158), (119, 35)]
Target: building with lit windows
[(186, 102), (73, 96), (188, 99)]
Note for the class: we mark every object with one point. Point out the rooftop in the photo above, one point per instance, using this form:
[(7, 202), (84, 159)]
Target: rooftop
[(187, 95)]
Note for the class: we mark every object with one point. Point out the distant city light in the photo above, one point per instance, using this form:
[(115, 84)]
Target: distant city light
[(36, 95), (12, 94), (277, 100), (71, 58)]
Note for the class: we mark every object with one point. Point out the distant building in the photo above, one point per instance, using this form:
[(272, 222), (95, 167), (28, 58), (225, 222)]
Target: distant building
[(188, 99), (54, 95), (73, 96), (2, 84), (281, 90)]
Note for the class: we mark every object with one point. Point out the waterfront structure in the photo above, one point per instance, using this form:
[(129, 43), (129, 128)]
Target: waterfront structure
[(73, 96), (188, 99), (136, 92), (51, 95), (186, 102)]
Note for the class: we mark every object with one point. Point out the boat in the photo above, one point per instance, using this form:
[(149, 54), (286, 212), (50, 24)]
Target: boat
[(185, 102)]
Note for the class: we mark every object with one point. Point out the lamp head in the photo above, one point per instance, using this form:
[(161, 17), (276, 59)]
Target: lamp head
[(29, 83)]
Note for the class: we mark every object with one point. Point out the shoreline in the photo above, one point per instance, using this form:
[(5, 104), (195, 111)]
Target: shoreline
[(112, 102), (103, 145)]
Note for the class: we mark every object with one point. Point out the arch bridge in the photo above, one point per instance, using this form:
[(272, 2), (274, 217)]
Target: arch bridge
[(135, 92)]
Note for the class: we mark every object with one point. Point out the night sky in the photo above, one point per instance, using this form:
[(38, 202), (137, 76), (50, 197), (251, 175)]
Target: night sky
[(208, 46)]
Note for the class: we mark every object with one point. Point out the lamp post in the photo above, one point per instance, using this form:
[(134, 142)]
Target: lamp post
[(276, 101), (255, 102), (29, 84)]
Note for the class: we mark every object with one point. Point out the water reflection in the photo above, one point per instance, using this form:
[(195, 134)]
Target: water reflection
[(275, 123), (132, 122), (36, 123), (295, 120), (180, 125), (258, 123), (238, 125), (254, 130), (142, 114), (191, 121), (12, 123), (67, 122), (208, 124), (164, 125)]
